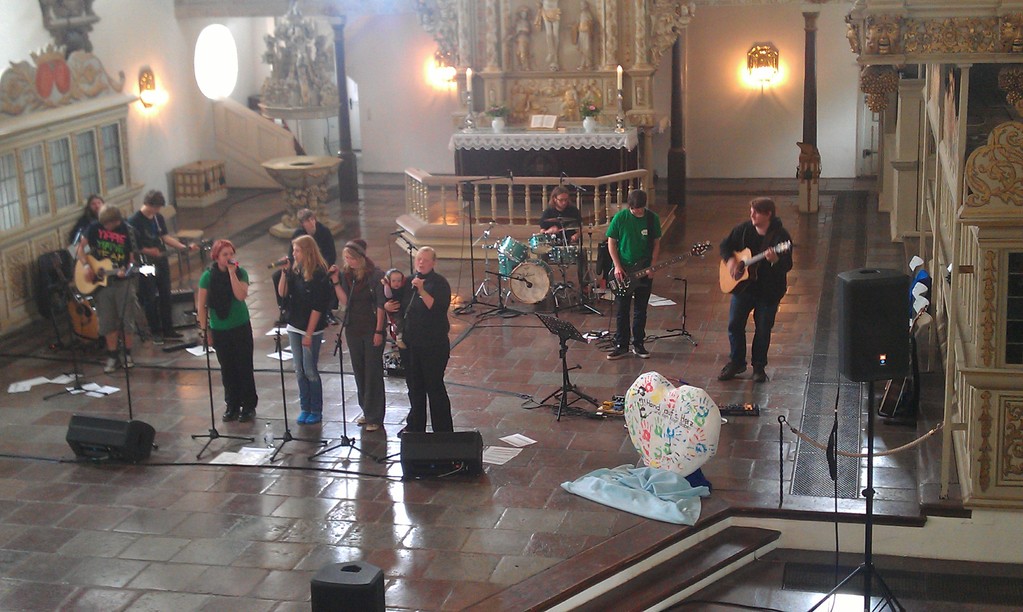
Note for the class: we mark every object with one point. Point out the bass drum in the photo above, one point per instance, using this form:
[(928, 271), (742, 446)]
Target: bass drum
[(84, 322), (531, 281)]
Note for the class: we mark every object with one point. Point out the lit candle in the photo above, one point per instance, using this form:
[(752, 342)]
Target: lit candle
[(468, 78), (619, 77)]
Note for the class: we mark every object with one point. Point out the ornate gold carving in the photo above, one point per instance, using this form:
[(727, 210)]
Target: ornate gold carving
[(878, 82), (994, 171), (1010, 80), (552, 97), (440, 19), (519, 37), (301, 81), (884, 35), (54, 81), (809, 162), (852, 33), (668, 18), (984, 451), (989, 279), (951, 35), (1011, 29), (1012, 438)]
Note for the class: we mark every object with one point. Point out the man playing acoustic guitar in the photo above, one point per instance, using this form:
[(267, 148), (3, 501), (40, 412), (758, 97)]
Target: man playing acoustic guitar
[(109, 240), (761, 292)]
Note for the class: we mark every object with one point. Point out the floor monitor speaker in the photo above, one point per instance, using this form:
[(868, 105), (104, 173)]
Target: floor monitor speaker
[(873, 319), (95, 437), (354, 586), (436, 454), (183, 308)]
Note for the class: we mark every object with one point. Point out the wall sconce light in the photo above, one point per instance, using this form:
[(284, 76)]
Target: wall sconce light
[(149, 95), (762, 62)]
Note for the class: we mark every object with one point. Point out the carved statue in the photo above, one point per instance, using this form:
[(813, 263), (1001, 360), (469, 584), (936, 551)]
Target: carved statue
[(549, 16), (521, 34), (69, 22), (852, 34), (1011, 28), (302, 66), (583, 34), (570, 105)]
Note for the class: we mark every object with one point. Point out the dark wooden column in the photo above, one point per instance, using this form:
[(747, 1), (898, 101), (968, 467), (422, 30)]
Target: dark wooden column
[(348, 171), (677, 151), (810, 80)]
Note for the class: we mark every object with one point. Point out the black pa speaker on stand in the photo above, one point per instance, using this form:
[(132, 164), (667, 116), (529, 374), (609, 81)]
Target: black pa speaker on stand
[(441, 453), (873, 339), (95, 437), (348, 587)]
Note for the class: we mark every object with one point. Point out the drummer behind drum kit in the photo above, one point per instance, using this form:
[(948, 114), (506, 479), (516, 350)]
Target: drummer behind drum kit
[(527, 267)]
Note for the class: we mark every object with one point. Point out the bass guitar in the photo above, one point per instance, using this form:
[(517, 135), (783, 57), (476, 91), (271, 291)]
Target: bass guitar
[(624, 287), (731, 284), (103, 270)]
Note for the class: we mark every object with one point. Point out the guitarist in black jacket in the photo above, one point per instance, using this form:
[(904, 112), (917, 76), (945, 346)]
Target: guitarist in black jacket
[(761, 293), (633, 241)]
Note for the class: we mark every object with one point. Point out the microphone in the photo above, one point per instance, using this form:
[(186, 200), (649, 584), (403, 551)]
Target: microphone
[(396, 233), (233, 262), (573, 185), (561, 179), (280, 263), (511, 176)]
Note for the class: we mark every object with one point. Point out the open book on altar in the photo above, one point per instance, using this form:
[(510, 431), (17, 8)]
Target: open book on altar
[(543, 122)]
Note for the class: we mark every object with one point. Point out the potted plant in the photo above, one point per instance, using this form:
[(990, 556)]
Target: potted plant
[(497, 116), (589, 111)]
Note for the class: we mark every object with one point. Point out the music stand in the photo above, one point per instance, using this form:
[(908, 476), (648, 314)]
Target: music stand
[(565, 331)]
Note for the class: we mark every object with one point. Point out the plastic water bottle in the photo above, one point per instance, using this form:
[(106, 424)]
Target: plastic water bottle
[(268, 435)]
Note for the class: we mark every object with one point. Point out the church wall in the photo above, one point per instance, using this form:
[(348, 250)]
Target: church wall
[(724, 116)]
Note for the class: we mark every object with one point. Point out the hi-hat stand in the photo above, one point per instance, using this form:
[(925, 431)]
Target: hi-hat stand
[(213, 433), (680, 331), (867, 569), (344, 441), (287, 437), (565, 331)]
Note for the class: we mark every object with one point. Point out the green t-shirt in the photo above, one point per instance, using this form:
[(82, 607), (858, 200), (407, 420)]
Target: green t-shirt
[(630, 233), (239, 314)]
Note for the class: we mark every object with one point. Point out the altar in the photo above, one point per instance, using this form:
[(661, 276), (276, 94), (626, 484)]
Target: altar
[(571, 151)]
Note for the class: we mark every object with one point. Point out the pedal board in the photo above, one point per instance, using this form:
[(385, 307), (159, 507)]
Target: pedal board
[(740, 410)]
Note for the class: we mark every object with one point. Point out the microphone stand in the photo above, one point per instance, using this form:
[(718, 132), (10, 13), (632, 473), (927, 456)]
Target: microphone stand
[(408, 247), (680, 331), (467, 307), (344, 441), (287, 437), (213, 433), (65, 293)]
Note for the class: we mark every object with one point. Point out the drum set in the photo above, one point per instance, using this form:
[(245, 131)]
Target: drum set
[(527, 269)]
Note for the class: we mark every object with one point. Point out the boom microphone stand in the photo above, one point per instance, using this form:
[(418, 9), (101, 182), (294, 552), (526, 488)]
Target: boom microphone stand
[(213, 433), (344, 441), (287, 437), (467, 308)]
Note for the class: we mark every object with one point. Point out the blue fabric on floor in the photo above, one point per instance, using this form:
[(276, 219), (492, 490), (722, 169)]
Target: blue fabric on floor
[(656, 494)]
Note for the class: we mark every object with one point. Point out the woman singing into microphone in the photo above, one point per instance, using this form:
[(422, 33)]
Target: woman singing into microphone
[(359, 287), (306, 287), (221, 309)]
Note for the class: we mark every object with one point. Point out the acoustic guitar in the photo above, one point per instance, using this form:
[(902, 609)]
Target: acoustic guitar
[(103, 269), (624, 287), (730, 284)]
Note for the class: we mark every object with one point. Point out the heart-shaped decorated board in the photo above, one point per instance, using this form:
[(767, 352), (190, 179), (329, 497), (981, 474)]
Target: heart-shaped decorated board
[(673, 428)]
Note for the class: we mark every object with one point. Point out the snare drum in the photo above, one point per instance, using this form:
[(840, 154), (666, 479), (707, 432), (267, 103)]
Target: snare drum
[(510, 253), (539, 278), (564, 255), (541, 244)]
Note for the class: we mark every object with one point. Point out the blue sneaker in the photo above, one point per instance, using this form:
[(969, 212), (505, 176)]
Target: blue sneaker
[(303, 417), (313, 418)]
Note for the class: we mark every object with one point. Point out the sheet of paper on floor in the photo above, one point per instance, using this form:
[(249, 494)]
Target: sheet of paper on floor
[(499, 455), (518, 440)]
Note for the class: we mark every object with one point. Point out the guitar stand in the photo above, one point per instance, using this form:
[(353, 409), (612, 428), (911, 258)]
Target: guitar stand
[(565, 331), (680, 331), (213, 433), (287, 437)]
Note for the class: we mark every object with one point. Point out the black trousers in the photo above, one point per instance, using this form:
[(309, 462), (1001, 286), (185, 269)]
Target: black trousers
[(155, 295), (234, 352), (424, 375), (636, 302)]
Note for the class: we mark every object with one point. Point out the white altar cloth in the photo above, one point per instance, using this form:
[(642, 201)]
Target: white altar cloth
[(484, 138)]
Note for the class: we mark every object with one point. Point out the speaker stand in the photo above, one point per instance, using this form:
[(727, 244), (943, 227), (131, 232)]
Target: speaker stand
[(867, 569)]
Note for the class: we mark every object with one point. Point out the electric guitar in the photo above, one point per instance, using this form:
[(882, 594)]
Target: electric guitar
[(730, 284), (103, 269), (624, 287)]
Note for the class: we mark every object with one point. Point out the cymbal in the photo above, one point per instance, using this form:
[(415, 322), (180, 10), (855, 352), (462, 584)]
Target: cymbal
[(567, 220)]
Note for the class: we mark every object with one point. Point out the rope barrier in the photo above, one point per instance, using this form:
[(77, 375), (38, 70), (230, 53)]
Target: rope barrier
[(904, 447)]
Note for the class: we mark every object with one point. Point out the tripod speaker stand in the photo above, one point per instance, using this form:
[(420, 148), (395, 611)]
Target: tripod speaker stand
[(565, 331)]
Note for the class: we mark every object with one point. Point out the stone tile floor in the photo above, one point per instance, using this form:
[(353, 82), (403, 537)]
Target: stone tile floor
[(179, 533)]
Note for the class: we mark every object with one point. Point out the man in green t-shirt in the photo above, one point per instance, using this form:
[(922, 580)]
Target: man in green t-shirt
[(633, 241)]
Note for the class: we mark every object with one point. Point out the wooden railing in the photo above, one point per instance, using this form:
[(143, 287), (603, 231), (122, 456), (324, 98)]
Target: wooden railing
[(441, 199)]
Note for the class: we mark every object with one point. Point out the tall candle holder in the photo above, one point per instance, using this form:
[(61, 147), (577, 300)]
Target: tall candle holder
[(470, 118), (620, 114)]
